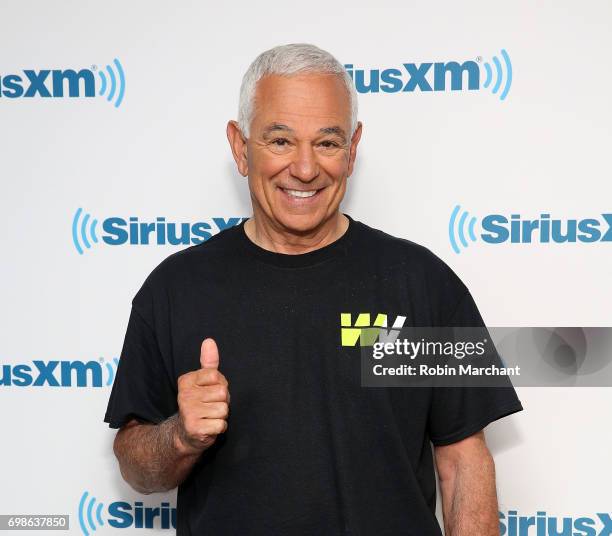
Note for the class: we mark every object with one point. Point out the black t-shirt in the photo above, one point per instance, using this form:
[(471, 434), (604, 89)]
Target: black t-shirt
[(307, 450)]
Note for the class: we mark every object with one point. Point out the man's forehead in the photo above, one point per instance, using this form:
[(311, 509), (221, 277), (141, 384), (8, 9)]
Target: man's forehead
[(318, 102)]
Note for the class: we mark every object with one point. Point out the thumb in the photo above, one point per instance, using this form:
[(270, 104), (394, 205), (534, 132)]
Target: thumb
[(209, 354)]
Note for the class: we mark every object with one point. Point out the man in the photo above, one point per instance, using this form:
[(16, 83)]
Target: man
[(256, 310)]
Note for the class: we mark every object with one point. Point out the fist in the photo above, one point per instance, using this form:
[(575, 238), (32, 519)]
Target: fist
[(203, 401)]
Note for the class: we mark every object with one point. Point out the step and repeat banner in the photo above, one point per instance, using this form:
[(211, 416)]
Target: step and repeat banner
[(486, 137)]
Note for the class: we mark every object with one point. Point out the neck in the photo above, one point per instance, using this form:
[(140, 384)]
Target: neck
[(278, 240)]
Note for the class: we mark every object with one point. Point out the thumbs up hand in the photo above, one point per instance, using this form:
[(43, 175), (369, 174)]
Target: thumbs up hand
[(203, 400)]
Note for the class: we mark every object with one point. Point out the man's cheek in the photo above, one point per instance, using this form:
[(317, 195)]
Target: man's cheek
[(337, 169), (270, 167)]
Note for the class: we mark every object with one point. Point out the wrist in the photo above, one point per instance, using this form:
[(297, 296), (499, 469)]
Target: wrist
[(181, 447)]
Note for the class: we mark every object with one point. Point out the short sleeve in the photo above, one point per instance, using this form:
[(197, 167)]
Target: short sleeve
[(143, 388), (458, 412)]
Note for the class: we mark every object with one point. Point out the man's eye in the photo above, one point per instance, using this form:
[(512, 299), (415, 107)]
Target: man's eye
[(329, 143), (281, 142)]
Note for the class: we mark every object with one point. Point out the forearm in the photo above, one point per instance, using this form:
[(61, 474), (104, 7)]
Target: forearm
[(152, 458), (469, 500)]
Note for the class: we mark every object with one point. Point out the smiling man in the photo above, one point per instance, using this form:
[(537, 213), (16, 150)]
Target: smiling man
[(258, 310)]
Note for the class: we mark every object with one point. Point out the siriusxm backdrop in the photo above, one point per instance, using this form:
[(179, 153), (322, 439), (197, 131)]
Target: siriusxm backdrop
[(478, 117)]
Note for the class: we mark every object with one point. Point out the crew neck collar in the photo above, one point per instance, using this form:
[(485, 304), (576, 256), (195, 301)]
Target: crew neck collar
[(310, 258)]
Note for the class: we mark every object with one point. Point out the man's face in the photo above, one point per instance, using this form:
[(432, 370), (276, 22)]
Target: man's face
[(299, 154)]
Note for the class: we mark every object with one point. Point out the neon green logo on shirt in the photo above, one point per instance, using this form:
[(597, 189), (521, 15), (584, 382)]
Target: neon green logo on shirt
[(366, 332)]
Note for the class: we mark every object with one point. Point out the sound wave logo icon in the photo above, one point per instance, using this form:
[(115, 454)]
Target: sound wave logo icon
[(86, 514), (457, 229), (496, 80), (83, 231), (111, 368), (115, 85)]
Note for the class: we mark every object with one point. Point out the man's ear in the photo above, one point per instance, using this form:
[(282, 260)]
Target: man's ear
[(238, 146), (353, 148)]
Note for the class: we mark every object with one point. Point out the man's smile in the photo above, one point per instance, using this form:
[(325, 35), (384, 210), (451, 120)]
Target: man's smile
[(300, 196)]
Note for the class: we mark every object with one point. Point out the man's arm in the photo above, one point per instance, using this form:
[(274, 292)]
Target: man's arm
[(158, 457), (466, 471), (151, 456)]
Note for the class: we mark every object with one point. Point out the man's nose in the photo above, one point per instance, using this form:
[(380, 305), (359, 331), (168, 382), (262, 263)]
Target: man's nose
[(304, 165)]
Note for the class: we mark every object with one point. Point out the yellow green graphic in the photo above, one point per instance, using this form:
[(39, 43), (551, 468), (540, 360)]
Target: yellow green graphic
[(362, 329)]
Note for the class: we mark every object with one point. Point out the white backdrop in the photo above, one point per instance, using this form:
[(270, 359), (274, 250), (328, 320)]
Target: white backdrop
[(162, 153)]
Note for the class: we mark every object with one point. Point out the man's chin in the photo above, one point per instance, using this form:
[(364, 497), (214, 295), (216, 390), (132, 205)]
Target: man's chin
[(301, 224)]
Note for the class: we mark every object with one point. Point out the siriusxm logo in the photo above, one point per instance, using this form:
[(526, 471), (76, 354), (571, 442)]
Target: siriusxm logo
[(513, 524), (118, 231), (59, 374), (438, 76), (123, 515), (59, 83), (498, 228)]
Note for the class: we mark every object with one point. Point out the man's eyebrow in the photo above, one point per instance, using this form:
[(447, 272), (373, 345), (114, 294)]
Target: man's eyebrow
[(275, 127), (333, 130)]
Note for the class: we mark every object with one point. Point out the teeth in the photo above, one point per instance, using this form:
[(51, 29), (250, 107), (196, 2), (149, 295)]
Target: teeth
[(300, 193)]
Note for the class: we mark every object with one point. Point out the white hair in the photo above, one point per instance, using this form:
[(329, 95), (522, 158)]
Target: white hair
[(287, 60)]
